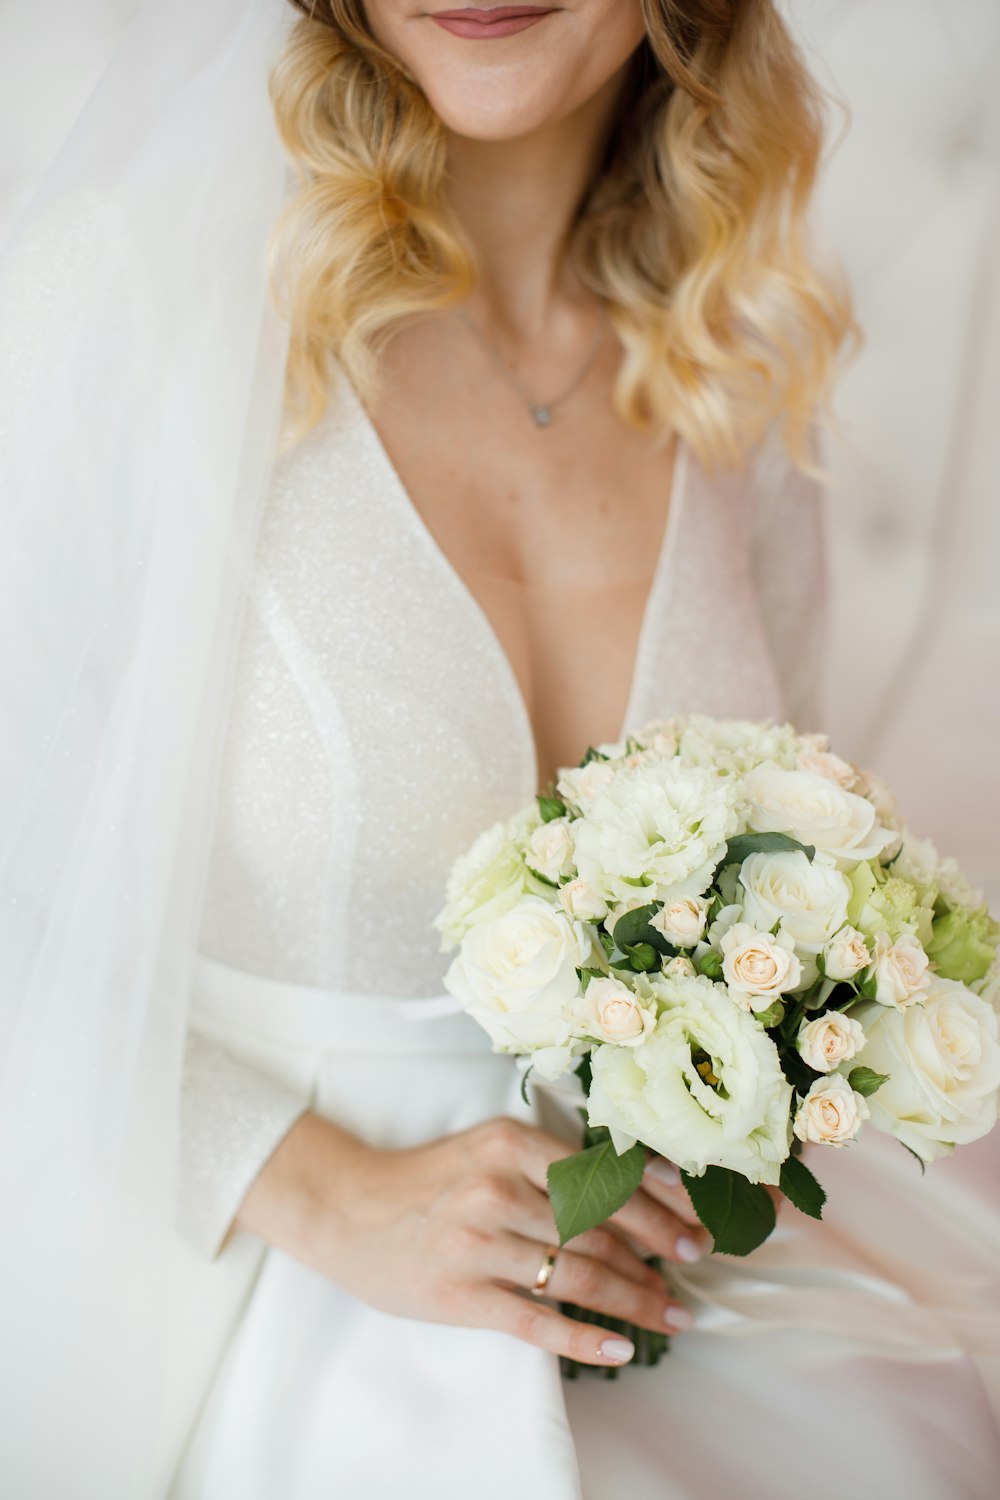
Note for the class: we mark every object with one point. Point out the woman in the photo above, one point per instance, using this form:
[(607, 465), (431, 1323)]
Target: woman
[(569, 242)]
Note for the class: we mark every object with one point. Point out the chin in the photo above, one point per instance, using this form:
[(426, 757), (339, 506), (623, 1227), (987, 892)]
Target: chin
[(499, 84)]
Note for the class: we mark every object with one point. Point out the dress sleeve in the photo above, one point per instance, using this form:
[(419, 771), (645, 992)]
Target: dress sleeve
[(789, 565), (232, 1117)]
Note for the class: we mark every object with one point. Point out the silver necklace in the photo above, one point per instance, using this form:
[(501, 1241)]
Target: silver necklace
[(540, 411)]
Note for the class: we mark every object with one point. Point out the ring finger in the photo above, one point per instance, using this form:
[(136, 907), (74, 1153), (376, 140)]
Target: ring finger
[(589, 1283)]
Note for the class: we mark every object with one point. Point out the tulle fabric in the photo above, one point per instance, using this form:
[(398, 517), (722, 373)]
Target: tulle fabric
[(140, 379)]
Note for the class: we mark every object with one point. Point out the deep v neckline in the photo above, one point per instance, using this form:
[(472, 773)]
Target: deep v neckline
[(527, 745)]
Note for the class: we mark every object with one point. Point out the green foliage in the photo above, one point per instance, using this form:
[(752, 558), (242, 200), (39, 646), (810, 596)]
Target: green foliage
[(739, 1215), (589, 1186), (801, 1188), (866, 1081), (745, 844), (550, 808), (633, 927)]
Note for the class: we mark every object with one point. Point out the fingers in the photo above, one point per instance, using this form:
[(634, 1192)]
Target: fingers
[(662, 1229), (590, 1283), (662, 1180), (530, 1319)]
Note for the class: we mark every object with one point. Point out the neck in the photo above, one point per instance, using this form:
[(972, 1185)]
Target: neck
[(517, 200)]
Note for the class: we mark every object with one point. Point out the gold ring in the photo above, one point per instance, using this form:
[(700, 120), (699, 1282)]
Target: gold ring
[(545, 1271)]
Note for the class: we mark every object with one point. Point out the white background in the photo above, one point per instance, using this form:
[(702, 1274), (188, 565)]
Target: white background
[(910, 201)]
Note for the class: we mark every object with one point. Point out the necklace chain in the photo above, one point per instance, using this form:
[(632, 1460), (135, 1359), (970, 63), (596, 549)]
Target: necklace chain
[(540, 411)]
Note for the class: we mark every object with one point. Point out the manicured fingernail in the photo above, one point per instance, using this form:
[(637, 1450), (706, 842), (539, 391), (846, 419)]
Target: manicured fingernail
[(617, 1350), (678, 1317), (663, 1171), (686, 1249)]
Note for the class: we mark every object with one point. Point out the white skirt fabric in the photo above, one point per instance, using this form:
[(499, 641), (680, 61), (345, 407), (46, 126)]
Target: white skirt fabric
[(854, 1357)]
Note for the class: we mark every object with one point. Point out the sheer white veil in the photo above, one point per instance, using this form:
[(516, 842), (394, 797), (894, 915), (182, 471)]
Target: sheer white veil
[(141, 369)]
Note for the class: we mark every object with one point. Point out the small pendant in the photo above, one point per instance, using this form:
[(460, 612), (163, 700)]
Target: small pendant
[(542, 416)]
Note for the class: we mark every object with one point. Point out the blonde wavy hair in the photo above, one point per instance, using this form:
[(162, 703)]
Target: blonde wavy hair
[(694, 231)]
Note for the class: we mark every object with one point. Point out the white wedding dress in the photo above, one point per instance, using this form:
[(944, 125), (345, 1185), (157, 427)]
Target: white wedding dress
[(376, 727)]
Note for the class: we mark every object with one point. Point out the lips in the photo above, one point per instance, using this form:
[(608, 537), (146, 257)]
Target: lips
[(500, 20)]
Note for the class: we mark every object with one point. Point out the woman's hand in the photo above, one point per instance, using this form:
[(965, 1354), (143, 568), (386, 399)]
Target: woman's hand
[(456, 1231)]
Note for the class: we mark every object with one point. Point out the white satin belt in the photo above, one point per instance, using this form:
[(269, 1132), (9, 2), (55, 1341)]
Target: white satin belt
[(899, 1261)]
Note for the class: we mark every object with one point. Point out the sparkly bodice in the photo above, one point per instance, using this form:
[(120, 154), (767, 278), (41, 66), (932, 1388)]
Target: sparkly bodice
[(377, 726)]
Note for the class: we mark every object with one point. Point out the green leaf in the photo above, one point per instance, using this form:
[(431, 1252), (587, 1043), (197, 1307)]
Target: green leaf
[(607, 941), (554, 884), (591, 754), (738, 849), (551, 807), (801, 1188), (739, 1215), (589, 1186), (643, 955), (865, 1081), (867, 985), (524, 1083), (633, 927)]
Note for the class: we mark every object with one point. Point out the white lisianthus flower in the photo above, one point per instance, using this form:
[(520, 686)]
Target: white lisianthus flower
[(549, 850), (516, 975), (814, 810), (943, 1062), (580, 900), (660, 736), (832, 1113), (736, 746), (757, 966), (579, 785), (678, 965), (662, 826), (611, 1012), (954, 886), (900, 969), (918, 861), (705, 1088), (808, 899), (846, 954), (682, 921), (489, 879), (829, 1040)]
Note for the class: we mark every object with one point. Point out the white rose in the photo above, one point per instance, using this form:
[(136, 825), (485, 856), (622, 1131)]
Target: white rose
[(516, 975), (943, 1062), (758, 967), (549, 850), (487, 880), (900, 969), (831, 1113), (682, 921), (662, 826), (705, 1088), (579, 785), (808, 899), (814, 810), (678, 965), (610, 1012), (580, 900), (829, 1040), (846, 954)]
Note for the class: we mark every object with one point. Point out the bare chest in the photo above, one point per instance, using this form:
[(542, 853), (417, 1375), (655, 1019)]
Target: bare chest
[(556, 532)]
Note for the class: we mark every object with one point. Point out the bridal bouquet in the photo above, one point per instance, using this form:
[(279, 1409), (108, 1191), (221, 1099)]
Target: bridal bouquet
[(726, 932)]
